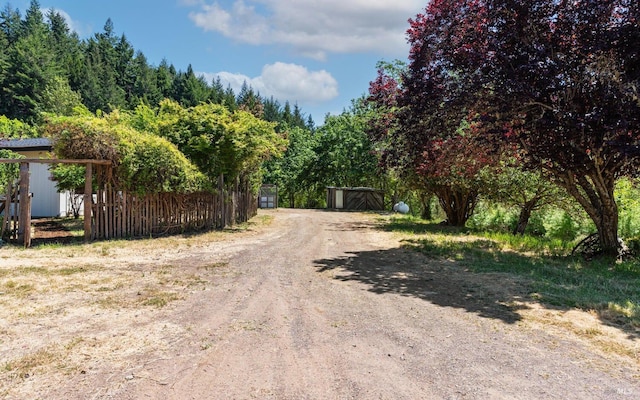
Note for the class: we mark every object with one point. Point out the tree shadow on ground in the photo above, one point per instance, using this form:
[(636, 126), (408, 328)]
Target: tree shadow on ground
[(407, 273), (556, 282)]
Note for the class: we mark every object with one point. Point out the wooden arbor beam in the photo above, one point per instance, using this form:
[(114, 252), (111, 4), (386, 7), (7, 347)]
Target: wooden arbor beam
[(53, 161)]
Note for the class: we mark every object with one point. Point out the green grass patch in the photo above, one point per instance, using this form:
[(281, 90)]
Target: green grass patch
[(553, 275), (74, 225)]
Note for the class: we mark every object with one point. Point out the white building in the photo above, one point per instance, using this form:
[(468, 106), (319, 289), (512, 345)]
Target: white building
[(46, 200)]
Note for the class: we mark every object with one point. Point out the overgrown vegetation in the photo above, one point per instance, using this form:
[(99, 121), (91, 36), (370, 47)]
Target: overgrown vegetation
[(438, 144), (145, 163), (164, 130)]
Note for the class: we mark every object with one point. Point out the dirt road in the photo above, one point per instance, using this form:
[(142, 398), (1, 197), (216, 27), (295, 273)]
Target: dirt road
[(320, 305)]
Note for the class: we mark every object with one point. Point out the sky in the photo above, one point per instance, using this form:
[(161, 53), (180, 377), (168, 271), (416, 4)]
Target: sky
[(319, 54)]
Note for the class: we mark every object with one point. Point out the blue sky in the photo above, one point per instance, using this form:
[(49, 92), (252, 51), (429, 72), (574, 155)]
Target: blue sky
[(320, 54)]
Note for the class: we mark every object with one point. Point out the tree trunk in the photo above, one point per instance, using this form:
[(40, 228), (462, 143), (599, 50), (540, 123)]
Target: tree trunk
[(525, 214), (595, 194), (458, 205), (608, 229), (425, 199), (394, 198)]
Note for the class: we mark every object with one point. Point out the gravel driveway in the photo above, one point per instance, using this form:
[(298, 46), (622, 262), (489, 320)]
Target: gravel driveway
[(322, 305)]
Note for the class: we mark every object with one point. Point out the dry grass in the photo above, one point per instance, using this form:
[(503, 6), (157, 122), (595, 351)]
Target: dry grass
[(78, 303)]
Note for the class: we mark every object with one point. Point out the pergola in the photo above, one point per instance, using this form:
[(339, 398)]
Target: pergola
[(24, 230)]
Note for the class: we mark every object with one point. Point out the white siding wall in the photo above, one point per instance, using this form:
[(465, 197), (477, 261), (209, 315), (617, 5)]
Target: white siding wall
[(46, 201)]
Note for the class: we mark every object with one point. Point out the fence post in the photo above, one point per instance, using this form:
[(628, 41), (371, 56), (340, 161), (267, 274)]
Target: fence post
[(24, 221), (223, 201), (88, 194), (7, 212)]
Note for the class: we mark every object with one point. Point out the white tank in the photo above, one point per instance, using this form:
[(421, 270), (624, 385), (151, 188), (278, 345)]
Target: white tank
[(401, 207)]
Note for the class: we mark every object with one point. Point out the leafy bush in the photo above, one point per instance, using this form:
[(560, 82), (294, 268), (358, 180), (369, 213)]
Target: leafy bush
[(15, 129), (215, 139), (493, 218), (8, 172), (562, 227), (628, 200), (144, 163), (536, 225)]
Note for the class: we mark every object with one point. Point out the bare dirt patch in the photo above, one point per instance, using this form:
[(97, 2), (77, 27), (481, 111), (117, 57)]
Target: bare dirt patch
[(49, 230), (299, 304)]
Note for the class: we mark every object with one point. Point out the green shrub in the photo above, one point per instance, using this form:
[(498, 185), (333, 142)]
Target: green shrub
[(8, 172), (16, 129), (561, 226), (536, 225), (144, 163), (492, 218), (628, 199)]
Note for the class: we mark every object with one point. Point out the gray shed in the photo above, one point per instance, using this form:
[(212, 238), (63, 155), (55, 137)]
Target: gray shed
[(355, 198)]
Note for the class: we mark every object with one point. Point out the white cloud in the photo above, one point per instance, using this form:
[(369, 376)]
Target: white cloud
[(283, 81), (314, 28), (214, 18)]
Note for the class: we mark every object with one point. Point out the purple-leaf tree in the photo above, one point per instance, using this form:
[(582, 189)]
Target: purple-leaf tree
[(559, 80)]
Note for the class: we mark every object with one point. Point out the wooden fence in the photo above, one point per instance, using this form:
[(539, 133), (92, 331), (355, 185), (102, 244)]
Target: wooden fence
[(119, 214), (10, 209), (111, 213)]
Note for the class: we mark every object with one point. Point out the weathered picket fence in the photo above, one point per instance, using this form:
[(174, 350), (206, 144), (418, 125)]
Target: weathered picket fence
[(110, 212), (119, 214)]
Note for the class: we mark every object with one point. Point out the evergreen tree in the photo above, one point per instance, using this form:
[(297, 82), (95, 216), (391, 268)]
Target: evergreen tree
[(217, 91), (250, 101), (287, 117), (31, 68), (298, 118), (229, 99), (33, 20), (311, 125), (100, 82), (46, 67), (67, 49), (272, 110), (3, 58), (10, 23), (59, 32), (165, 78), (190, 89), (145, 88), (124, 69)]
